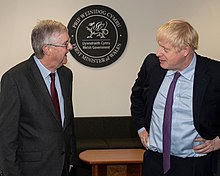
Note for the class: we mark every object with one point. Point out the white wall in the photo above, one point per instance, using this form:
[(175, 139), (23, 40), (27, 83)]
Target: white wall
[(105, 91)]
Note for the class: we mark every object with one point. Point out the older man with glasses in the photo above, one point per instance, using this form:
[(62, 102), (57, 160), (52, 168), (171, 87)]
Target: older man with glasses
[(36, 117)]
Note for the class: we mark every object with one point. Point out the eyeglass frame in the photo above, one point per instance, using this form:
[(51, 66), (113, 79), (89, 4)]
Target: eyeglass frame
[(60, 45)]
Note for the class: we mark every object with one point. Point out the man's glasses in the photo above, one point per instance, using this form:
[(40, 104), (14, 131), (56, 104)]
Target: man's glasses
[(66, 44)]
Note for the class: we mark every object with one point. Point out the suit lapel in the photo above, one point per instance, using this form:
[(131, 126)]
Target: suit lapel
[(156, 80), (37, 79), (201, 80), (64, 83)]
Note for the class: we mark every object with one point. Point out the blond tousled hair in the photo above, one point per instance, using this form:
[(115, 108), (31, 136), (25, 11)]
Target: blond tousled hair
[(179, 34)]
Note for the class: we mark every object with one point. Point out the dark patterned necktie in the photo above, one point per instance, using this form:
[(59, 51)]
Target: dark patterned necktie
[(167, 124), (54, 95)]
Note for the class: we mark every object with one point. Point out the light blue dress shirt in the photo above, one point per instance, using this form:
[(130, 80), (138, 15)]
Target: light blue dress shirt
[(183, 132), (46, 76)]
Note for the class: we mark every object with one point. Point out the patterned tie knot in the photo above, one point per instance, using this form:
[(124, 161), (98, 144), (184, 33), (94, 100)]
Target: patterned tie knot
[(52, 76), (176, 75)]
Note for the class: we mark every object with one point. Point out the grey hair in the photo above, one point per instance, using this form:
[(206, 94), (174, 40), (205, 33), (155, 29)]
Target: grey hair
[(45, 32)]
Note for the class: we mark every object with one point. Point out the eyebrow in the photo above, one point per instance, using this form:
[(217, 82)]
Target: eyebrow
[(165, 48)]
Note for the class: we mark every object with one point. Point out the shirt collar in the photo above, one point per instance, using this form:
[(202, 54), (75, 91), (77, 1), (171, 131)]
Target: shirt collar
[(44, 71), (188, 72)]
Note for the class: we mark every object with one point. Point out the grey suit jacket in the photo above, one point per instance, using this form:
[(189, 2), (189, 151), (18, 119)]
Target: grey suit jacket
[(32, 140)]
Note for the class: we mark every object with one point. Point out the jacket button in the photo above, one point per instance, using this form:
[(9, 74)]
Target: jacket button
[(62, 153)]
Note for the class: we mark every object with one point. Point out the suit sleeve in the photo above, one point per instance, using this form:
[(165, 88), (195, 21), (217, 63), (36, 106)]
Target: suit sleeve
[(70, 113), (73, 138), (9, 119), (138, 98)]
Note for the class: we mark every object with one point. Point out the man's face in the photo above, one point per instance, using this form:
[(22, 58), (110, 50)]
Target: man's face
[(171, 58), (60, 49)]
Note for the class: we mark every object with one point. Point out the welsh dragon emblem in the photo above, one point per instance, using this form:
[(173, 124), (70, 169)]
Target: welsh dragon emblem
[(97, 29)]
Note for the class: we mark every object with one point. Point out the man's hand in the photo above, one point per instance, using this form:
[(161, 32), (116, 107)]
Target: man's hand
[(207, 146), (143, 135)]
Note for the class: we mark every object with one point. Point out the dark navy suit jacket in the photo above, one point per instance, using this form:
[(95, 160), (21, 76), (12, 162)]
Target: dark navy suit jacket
[(206, 94)]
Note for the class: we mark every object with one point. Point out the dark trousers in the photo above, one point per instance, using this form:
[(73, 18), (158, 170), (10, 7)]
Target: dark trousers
[(216, 163), (191, 166)]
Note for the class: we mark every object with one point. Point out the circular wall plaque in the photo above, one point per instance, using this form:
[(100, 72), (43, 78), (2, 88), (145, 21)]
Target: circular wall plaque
[(98, 35)]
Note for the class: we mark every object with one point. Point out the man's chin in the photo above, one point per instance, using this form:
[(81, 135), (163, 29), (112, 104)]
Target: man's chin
[(163, 65)]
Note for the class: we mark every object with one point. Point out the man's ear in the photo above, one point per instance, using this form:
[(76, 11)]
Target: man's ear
[(187, 50), (46, 50)]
